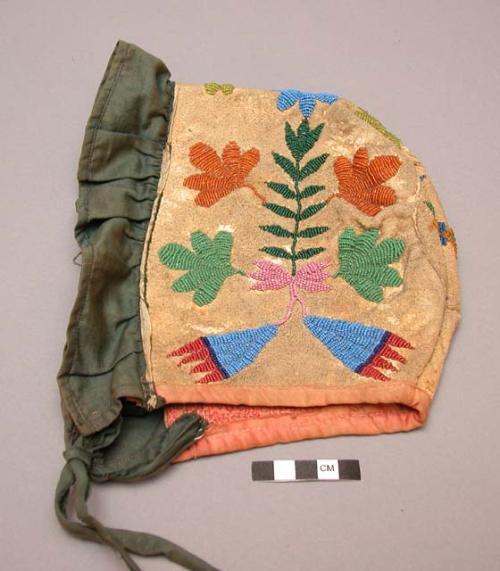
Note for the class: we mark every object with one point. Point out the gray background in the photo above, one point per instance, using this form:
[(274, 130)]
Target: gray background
[(429, 500)]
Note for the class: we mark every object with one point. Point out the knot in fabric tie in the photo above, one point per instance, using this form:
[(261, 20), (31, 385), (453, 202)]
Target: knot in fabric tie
[(78, 453)]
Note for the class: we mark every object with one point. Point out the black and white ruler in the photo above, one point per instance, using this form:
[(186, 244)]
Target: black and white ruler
[(305, 470)]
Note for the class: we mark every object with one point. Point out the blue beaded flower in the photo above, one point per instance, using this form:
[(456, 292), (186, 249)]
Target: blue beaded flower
[(307, 101)]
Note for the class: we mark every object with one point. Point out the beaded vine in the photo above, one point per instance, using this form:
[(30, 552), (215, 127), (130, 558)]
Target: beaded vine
[(376, 124)]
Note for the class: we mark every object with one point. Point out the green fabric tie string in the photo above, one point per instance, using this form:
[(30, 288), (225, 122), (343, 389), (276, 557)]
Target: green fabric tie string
[(75, 474), (103, 367)]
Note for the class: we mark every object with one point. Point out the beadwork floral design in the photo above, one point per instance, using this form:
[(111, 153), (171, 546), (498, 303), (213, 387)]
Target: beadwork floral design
[(222, 356), (221, 175), (207, 266), (299, 144), (364, 261), (360, 181), (310, 278), (361, 348), (307, 100)]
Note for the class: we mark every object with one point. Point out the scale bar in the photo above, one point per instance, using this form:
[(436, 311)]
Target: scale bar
[(305, 470)]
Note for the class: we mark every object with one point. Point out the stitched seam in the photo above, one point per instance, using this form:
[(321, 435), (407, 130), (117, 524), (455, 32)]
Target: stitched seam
[(161, 196), (445, 285), (419, 237)]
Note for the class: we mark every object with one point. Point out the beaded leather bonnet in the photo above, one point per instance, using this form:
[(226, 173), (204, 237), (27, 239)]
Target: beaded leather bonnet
[(257, 267)]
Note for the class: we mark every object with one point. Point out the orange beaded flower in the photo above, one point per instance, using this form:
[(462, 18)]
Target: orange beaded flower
[(360, 181), (221, 175)]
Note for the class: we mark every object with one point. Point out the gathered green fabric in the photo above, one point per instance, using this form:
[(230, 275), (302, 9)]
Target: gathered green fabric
[(112, 432), (76, 474), (118, 176)]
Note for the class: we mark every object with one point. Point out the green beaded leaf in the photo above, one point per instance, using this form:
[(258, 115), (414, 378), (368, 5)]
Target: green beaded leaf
[(200, 241), (312, 166), (277, 230), (208, 265), (430, 206), (364, 263), (309, 137), (292, 142), (277, 252), (177, 257), (313, 231), (308, 253), (311, 190), (311, 210), (287, 165), (282, 189), (301, 142), (280, 210)]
